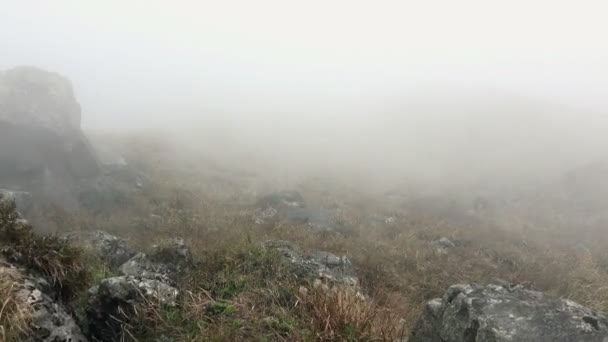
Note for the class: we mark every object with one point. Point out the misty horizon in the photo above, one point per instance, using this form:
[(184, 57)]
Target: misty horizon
[(320, 170), (432, 91)]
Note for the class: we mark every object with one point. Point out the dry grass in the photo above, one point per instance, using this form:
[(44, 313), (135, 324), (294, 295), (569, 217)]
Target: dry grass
[(15, 313), (398, 266), (241, 293), (344, 314), (398, 261), (64, 265)]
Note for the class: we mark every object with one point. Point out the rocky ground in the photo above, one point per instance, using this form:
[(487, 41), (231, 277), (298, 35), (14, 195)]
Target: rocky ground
[(126, 239), (245, 281)]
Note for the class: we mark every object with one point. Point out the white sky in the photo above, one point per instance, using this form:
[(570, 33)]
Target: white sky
[(352, 85), (135, 59)]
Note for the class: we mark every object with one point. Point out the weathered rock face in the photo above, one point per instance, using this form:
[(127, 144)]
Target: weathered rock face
[(43, 147), (112, 302), (114, 250), (504, 313), (50, 321), (165, 263), (143, 278), (443, 244), (317, 264)]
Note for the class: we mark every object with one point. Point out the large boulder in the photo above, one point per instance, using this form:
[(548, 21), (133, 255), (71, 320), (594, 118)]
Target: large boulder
[(43, 147), (315, 265), (496, 313), (48, 319)]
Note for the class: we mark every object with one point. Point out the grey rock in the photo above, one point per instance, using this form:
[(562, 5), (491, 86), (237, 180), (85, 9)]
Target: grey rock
[(495, 313), (266, 215), (34, 97), (390, 220), (114, 250), (43, 150), (145, 278), (113, 302), (22, 199), (50, 322), (316, 264), (289, 207), (165, 263), (443, 244), (315, 218), (282, 199), (128, 289)]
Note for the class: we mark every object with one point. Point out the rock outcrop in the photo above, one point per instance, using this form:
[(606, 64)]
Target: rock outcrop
[(496, 313), (113, 301), (144, 278), (165, 263), (289, 206), (112, 249), (43, 148), (48, 319), (314, 265)]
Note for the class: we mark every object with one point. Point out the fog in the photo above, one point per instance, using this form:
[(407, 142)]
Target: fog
[(439, 92)]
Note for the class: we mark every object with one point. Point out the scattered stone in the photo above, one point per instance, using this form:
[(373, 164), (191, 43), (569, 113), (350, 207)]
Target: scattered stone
[(443, 244), (496, 313), (317, 264), (263, 216), (282, 199), (116, 251), (289, 207), (50, 322), (112, 302), (165, 263), (390, 220), (145, 278)]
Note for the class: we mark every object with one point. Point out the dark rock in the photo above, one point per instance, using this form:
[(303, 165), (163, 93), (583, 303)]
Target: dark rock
[(43, 148), (496, 313), (315, 265), (113, 301), (145, 278)]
